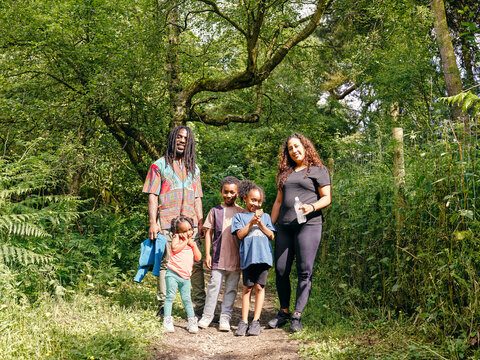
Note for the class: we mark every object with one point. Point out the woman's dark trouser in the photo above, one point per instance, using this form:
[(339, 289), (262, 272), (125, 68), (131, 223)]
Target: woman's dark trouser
[(300, 241)]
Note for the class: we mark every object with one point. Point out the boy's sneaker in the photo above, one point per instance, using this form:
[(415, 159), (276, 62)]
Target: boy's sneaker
[(279, 320), (192, 326), (168, 324), (241, 328), (254, 329), (205, 321), (296, 323), (224, 323)]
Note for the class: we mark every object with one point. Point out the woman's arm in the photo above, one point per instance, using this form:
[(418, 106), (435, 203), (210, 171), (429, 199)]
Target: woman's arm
[(178, 244), (325, 200), (276, 206)]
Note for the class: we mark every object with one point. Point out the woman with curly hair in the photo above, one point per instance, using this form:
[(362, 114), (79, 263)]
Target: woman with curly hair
[(302, 175)]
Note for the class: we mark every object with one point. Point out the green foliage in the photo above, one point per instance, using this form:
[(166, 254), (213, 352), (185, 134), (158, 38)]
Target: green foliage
[(81, 327), (467, 99)]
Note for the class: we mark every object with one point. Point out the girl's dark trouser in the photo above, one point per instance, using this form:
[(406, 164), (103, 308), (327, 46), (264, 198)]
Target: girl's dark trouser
[(300, 241)]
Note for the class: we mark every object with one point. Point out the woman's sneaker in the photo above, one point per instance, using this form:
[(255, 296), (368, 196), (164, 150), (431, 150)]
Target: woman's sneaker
[(279, 320), (241, 328), (168, 324), (192, 326), (296, 323), (254, 329), (205, 321), (224, 323)]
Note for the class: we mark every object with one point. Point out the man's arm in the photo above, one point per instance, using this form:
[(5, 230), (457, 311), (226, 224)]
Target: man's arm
[(152, 216)]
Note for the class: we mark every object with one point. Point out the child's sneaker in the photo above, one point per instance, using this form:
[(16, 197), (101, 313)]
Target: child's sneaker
[(224, 323), (192, 326), (254, 328), (241, 328), (168, 324), (205, 321)]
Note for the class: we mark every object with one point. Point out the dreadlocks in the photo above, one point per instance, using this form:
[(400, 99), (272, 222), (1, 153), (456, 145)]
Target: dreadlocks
[(188, 153)]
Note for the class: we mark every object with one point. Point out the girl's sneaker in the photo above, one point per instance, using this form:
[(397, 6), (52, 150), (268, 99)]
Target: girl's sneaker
[(224, 323), (241, 328), (205, 321), (192, 325), (254, 328), (168, 324)]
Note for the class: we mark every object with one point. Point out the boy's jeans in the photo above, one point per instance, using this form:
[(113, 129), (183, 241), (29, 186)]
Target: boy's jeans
[(213, 291)]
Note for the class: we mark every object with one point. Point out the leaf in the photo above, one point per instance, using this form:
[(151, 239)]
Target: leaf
[(466, 213)]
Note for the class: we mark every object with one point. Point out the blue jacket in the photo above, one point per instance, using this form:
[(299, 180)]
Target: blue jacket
[(151, 257)]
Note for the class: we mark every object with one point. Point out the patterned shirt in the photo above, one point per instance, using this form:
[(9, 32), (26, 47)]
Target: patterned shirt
[(177, 191)]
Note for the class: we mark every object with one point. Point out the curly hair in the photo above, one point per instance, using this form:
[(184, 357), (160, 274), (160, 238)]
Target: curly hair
[(189, 152), (286, 165), (178, 220), (229, 180), (246, 186)]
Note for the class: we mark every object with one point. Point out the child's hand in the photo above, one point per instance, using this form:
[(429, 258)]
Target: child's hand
[(208, 261), (190, 241)]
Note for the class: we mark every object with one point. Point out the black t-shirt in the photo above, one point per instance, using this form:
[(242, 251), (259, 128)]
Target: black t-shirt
[(306, 188)]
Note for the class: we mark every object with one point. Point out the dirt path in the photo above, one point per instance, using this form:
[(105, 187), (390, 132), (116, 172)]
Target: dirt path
[(212, 344)]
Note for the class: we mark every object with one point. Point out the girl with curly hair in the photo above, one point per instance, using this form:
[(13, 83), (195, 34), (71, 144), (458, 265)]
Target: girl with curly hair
[(300, 174), (254, 228)]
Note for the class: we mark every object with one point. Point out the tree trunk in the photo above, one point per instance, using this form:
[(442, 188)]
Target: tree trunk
[(449, 62)]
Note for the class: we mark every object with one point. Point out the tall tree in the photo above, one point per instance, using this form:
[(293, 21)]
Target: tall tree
[(449, 61)]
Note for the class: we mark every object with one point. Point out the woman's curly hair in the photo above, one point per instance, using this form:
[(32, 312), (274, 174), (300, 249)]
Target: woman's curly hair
[(246, 186), (286, 165), (178, 220)]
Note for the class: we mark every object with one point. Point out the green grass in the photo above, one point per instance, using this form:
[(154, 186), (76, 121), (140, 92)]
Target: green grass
[(89, 326)]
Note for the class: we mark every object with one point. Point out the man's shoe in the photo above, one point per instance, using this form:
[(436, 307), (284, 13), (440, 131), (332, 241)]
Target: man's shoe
[(224, 323), (192, 326), (254, 329), (279, 320), (205, 321), (160, 312), (296, 323), (241, 328), (168, 324)]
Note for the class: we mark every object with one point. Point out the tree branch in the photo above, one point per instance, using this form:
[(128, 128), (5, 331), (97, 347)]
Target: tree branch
[(217, 11), (218, 121), (341, 96)]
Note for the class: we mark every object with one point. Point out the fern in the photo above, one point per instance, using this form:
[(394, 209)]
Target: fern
[(10, 254), (468, 100), (25, 210)]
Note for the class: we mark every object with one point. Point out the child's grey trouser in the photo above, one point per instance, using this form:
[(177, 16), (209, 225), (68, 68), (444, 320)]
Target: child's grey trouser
[(213, 291)]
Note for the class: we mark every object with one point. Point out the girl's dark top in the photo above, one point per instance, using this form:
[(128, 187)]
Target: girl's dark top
[(306, 188)]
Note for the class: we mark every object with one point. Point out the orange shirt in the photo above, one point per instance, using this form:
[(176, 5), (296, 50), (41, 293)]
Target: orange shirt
[(182, 262)]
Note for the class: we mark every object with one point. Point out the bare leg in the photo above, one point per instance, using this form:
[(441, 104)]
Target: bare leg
[(247, 292), (259, 299)]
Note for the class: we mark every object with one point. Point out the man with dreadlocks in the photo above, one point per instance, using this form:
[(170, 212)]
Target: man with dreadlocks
[(173, 187)]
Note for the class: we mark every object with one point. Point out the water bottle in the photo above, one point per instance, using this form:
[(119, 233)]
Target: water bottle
[(300, 217)]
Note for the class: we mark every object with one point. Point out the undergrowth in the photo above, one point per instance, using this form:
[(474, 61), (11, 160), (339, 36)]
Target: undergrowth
[(78, 325)]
